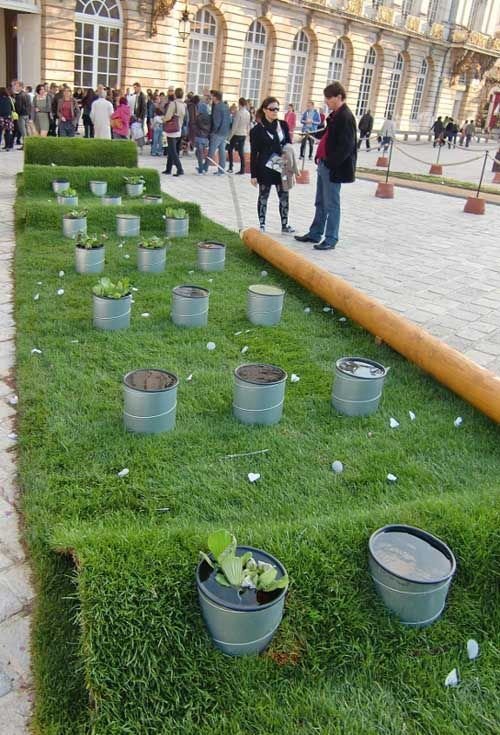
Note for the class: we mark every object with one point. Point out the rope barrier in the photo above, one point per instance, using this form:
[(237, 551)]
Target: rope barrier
[(432, 163)]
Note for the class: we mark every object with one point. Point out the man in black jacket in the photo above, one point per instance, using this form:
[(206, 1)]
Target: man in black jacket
[(336, 159)]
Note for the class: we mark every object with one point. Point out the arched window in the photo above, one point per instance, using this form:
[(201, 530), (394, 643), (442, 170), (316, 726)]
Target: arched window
[(201, 51), (336, 67), (392, 96), (253, 62), (419, 90), (297, 70), (477, 15), (406, 8), (98, 25), (366, 82), (434, 12)]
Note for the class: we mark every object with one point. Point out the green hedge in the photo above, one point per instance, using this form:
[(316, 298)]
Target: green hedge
[(38, 179), (80, 152), (48, 216)]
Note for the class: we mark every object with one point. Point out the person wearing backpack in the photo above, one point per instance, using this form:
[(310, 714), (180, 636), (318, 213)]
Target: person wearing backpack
[(172, 124)]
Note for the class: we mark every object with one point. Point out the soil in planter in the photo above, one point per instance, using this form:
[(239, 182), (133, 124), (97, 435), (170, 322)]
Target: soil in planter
[(190, 291), (150, 380), (231, 596), (210, 245), (261, 373)]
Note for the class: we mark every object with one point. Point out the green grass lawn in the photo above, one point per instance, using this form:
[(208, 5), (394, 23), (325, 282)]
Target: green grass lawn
[(119, 644), (428, 179)]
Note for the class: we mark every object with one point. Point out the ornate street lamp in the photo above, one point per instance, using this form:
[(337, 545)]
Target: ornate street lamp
[(185, 24)]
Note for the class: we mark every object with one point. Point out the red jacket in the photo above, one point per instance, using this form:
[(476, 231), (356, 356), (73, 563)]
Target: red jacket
[(122, 117)]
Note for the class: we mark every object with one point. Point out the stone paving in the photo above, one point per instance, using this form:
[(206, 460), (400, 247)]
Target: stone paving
[(16, 592), (418, 253)]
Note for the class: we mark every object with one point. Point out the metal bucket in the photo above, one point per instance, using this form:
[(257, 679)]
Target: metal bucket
[(264, 304), (89, 260), (211, 256), (111, 200), (70, 201), (60, 185), (98, 188), (152, 200), (358, 385), (190, 306), (150, 401), (259, 393), (177, 227), (151, 260), (134, 190), (412, 571), (239, 629), (71, 227), (111, 314), (128, 225)]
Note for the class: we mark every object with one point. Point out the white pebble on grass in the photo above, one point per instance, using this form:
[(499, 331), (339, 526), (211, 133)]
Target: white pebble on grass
[(326, 309), (452, 679), (189, 377), (264, 274), (337, 467), (145, 313), (190, 273), (210, 280), (61, 274), (458, 422), (294, 378), (472, 649), (244, 349), (253, 476), (120, 244), (36, 297), (342, 319), (36, 351), (307, 310), (393, 423), (12, 436), (411, 415), (126, 256), (134, 289), (75, 341), (237, 334), (13, 400), (39, 283), (60, 291), (124, 472), (391, 477), (211, 346)]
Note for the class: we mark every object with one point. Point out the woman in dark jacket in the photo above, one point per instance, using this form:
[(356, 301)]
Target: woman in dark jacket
[(267, 139), (86, 105), (6, 121)]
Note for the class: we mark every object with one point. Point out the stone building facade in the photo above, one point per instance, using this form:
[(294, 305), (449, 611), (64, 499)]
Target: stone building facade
[(412, 58)]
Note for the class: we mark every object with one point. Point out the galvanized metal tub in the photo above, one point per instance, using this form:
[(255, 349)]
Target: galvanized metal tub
[(177, 227), (211, 256), (237, 627), (259, 393), (128, 225), (134, 190), (412, 571), (264, 304), (190, 306), (98, 188), (70, 201), (71, 227), (60, 185), (150, 199), (111, 200), (358, 385), (111, 314), (89, 260), (150, 398), (151, 260)]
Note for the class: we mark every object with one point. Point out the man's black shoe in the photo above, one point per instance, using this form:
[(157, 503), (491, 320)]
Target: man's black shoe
[(305, 238), (324, 246)]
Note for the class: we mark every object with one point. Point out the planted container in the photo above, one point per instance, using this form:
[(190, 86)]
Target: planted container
[(128, 225), (259, 393), (412, 571), (150, 199), (240, 623), (89, 260), (71, 201), (176, 227), (211, 256), (150, 398), (135, 190), (151, 260), (190, 306), (60, 185), (71, 226), (111, 200), (111, 314), (357, 386), (264, 304), (98, 188)]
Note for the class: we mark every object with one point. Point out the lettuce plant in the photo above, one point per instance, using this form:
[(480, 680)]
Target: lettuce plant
[(152, 243), (90, 241), (68, 193), (240, 572), (134, 179), (104, 287), (172, 213), (76, 214)]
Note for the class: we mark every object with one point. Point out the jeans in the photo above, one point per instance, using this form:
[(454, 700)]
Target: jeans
[(173, 156), (66, 129), (156, 146), (200, 147), (237, 142), (218, 143), (327, 217)]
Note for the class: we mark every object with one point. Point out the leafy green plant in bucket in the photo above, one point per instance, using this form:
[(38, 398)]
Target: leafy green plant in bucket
[(76, 214), (90, 241), (68, 193), (172, 213), (105, 288), (134, 180), (152, 243), (240, 572)]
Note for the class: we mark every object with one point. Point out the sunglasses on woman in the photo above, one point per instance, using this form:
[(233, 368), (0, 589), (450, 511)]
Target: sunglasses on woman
[(273, 109)]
